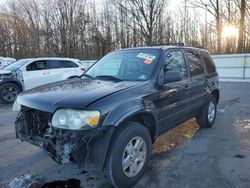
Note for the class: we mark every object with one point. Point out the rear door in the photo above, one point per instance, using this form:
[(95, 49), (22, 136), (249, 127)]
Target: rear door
[(199, 81), (174, 97), (62, 69), (56, 69), (71, 68), (34, 74)]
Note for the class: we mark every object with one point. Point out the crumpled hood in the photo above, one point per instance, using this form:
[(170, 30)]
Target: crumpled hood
[(2, 71), (75, 93)]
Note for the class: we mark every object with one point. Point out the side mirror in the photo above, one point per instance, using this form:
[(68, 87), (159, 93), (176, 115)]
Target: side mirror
[(172, 76)]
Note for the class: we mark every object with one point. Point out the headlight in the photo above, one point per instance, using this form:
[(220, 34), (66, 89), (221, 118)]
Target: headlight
[(16, 107), (75, 119)]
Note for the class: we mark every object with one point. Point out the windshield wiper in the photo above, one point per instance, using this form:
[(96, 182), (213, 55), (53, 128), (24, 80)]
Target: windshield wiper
[(108, 77), (86, 75)]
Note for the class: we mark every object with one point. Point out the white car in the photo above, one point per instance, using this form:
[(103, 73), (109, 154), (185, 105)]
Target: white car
[(29, 73)]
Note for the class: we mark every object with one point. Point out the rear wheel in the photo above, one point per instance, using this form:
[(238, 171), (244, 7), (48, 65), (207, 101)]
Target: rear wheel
[(128, 156), (207, 117), (9, 92)]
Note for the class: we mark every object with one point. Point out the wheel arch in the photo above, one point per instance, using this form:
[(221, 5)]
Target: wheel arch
[(141, 110), (13, 82), (145, 118), (216, 94)]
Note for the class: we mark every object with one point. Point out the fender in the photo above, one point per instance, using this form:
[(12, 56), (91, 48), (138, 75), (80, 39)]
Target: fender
[(214, 87), (129, 109)]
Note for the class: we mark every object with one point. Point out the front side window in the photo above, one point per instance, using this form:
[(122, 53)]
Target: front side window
[(195, 63), (37, 65), (175, 62), (134, 65)]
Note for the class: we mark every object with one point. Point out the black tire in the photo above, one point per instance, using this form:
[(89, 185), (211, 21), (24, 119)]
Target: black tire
[(113, 168), (9, 92), (203, 119)]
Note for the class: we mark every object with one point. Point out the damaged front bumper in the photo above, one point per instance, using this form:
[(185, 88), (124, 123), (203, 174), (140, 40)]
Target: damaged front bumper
[(88, 148)]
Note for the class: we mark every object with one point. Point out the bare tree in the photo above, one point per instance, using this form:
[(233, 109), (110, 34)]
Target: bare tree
[(242, 27), (86, 29), (213, 7), (146, 15)]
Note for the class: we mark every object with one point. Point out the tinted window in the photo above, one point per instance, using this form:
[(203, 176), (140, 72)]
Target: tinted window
[(175, 62), (54, 64), (57, 64), (195, 63), (37, 65), (209, 63), (69, 64)]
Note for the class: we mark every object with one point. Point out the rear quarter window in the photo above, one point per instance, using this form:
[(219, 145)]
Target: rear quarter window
[(69, 64), (210, 66)]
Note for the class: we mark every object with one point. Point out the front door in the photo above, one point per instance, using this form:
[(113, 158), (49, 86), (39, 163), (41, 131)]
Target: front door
[(35, 74), (174, 97)]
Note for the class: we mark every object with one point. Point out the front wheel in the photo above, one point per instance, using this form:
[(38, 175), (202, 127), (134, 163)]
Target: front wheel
[(128, 156), (9, 92), (207, 117)]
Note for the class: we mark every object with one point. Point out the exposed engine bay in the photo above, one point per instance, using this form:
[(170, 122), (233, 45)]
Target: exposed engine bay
[(63, 146)]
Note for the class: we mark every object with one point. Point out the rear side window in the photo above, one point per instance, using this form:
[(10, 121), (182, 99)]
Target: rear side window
[(54, 64), (59, 64), (195, 63), (209, 63)]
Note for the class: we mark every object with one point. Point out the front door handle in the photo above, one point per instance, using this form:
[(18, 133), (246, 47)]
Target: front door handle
[(206, 82), (187, 86)]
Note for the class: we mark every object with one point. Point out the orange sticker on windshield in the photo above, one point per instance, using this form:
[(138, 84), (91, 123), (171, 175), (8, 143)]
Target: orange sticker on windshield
[(148, 61)]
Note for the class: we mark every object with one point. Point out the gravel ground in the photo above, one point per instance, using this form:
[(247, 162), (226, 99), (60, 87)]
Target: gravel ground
[(184, 157)]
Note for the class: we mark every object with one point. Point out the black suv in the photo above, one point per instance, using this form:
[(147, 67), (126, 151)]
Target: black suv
[(110, 116)]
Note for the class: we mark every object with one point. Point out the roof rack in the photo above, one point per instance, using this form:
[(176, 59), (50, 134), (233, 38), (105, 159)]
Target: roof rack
[(170, 44)]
